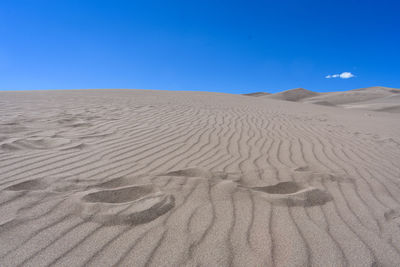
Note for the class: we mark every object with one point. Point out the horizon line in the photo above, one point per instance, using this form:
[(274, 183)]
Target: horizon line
[(184, 90)]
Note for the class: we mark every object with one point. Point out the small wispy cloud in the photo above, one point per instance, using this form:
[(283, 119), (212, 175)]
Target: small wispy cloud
[(343, 75)]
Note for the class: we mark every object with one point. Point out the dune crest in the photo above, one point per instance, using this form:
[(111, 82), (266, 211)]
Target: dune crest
[(376, 98), (294, 94)]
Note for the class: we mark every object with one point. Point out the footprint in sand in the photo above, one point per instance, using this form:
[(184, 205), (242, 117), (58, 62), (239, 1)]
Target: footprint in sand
[(35, 143), (190, 172), (280, 188), (393, 215), (302, 169), (312, 175), (63, 184), (30, 185), (214, 176), (284, 193), (74, 122), (125, 205), (293, 194)]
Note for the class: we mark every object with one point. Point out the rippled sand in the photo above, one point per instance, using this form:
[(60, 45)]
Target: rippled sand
[(160, 178)]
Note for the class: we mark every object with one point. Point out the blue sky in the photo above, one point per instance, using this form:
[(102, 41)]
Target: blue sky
[(222, 46)]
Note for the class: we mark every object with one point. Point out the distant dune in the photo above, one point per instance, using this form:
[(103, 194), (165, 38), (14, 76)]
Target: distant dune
[(371, 98), (168, 178), (295, 95), (257, 94)]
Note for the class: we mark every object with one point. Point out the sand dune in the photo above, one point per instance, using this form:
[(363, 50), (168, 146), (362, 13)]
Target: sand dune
[(293, 94), (158, 178), (257, 94), (372, 98)]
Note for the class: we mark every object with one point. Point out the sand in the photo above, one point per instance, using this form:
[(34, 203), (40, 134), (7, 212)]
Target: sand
[(376, 98), (161, 178), (294, 95)]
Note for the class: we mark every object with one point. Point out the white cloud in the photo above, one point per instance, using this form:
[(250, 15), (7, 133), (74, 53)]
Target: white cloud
[(346, 75), (343, 75)]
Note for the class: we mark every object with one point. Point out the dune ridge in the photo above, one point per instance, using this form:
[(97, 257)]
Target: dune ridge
[(294, 94), (257, 94), (375, 98), (159, 178)]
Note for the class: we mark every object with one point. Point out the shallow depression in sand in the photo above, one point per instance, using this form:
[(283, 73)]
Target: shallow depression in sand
[(28, 185), (128, 205), (120, 195), (190, 172), (280, 188), (293, 194)]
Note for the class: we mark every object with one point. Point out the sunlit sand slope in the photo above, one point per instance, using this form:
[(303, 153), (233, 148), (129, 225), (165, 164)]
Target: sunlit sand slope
[(158, 178)]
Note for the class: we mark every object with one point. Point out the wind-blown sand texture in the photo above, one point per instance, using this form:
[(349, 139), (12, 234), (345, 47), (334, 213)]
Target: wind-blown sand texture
[(376, 98), (159, 178)]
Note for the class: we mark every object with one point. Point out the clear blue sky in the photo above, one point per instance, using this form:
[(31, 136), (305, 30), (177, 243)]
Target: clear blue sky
[(224, 46)]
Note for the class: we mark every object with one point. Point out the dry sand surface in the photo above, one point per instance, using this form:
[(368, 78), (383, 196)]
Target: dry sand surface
[(376, 98), (159, 178)]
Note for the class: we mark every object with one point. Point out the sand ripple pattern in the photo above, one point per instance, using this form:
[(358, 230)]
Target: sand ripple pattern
[(157, 178)]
